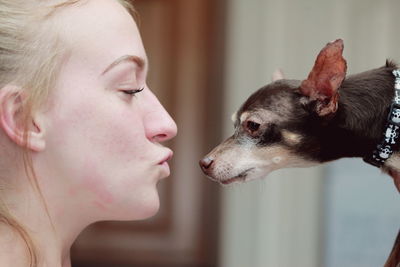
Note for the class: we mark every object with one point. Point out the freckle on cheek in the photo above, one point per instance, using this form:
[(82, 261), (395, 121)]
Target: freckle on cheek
[(72, 192)]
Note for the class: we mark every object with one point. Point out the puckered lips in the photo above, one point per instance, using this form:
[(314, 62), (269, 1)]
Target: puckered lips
[(164, 162)]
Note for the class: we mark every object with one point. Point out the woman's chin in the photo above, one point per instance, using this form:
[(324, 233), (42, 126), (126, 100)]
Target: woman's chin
[(145, 208), (148, 211), (137, 205)]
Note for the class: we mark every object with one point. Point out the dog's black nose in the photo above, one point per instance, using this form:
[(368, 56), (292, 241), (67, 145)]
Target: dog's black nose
[(206, 163)]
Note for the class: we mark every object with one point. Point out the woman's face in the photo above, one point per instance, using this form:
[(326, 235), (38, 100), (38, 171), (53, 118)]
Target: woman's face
[(102, 138)]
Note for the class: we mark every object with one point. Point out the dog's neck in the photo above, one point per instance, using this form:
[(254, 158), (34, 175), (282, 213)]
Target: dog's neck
[(358, 125)]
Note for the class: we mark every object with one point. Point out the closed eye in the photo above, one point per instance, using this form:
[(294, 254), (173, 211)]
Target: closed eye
[(132, 92)]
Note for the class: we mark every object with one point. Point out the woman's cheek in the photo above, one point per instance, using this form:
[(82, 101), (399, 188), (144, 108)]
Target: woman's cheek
[(95, 183)]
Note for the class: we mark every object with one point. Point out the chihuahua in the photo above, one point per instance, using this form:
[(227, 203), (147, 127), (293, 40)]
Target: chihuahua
[(327, 116)]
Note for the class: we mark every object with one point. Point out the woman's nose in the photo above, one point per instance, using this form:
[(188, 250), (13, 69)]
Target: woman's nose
[(159, 125), (166, 130)]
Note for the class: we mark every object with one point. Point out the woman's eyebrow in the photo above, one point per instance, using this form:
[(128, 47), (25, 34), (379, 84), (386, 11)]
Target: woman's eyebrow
[(140, 62)]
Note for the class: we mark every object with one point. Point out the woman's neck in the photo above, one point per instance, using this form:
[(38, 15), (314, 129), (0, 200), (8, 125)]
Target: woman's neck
[(48, 226)]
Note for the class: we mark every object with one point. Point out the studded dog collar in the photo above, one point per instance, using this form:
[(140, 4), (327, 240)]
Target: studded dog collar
[(391, 134)]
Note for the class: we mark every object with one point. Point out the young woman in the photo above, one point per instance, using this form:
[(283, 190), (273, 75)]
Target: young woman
[(80, 131)]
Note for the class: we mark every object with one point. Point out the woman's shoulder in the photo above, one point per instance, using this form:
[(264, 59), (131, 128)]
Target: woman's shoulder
[(13, 249)]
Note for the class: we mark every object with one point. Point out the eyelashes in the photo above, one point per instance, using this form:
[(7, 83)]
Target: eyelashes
[(133, 91)]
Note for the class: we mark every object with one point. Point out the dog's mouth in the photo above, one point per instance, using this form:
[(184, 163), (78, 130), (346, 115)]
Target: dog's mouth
[(238, 178)]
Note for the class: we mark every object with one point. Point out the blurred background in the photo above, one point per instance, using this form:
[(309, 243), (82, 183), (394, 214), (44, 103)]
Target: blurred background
[(206, 57)]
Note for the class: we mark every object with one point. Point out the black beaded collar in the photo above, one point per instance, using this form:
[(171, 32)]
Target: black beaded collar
[(391, 134)]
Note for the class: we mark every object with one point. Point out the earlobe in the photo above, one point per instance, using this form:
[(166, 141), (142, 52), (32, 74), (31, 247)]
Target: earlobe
[(13, 123)]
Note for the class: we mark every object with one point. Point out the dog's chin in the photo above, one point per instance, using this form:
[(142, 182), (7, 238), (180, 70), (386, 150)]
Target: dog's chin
[(245, 176), (236, 179)]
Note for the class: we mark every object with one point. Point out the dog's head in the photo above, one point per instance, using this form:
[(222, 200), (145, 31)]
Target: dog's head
[(276, 127)]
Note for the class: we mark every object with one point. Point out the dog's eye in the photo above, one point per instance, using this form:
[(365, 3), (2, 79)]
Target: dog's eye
[(252, 126)]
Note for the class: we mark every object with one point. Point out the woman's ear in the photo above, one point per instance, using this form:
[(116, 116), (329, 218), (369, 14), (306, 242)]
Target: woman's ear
[(12, 120)]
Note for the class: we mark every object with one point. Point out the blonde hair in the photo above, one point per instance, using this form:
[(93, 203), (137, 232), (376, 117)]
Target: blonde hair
[(30, 57)]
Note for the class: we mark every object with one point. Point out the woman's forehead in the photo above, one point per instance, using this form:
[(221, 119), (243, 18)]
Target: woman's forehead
[(99, 32)]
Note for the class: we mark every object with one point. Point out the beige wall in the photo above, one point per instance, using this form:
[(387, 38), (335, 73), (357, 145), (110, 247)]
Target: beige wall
[(279, 221)]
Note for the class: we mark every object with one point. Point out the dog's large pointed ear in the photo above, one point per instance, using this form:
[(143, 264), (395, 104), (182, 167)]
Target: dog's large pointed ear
[(325, 78)]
